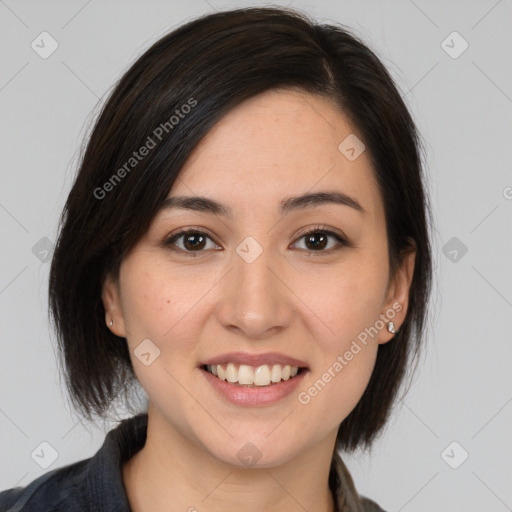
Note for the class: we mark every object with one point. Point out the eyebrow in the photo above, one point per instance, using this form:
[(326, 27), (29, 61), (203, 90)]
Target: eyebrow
[(312, 200)]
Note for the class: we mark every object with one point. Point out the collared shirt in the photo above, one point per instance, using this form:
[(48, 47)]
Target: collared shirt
[(96, 484)]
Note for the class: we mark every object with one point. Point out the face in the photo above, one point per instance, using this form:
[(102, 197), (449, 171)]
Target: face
[(271, 290)]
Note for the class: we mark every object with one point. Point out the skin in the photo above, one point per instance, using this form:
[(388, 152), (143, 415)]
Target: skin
[(304, 304)]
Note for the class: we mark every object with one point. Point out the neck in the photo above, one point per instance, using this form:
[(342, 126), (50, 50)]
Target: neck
[(171, 473)]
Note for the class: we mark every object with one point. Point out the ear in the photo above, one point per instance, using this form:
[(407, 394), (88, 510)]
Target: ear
[(397, 298), (113, 311)]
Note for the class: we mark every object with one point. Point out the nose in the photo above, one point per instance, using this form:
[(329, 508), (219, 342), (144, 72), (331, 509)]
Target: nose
[(254, 299)]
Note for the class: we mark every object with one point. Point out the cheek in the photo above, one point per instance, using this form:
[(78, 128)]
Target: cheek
[(156, 301), (345, 303), (347, 381), (338, 381), (346, 310), (157, 306)]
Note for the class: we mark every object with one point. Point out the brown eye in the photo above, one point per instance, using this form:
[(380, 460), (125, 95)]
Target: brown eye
[(318, 239), (192, 241)]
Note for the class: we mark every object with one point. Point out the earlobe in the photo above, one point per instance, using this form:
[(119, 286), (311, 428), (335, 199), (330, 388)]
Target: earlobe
[(112, 304), (395, 308)]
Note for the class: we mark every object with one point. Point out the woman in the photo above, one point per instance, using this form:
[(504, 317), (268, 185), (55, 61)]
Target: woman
[(247, 240)]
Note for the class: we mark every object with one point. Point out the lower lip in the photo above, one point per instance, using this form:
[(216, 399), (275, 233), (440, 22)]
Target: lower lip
[(257, 395)]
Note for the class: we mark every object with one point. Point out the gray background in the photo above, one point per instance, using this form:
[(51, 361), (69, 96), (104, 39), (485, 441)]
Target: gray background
[(463, 107)]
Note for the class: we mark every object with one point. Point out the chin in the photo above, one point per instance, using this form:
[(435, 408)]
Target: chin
[(249, 456), (254, 451)]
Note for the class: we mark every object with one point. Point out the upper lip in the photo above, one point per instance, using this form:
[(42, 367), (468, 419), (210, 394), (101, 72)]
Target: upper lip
[(255, 359)]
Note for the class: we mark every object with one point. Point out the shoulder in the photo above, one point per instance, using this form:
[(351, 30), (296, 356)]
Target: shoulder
[(54, 491), (345, 492), (370, 506), (95, 483)]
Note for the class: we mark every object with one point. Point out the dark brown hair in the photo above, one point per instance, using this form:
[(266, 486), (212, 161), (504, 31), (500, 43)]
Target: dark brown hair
[(167, 102)]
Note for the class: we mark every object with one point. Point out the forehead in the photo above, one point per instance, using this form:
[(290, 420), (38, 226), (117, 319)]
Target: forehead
[(277, 144)]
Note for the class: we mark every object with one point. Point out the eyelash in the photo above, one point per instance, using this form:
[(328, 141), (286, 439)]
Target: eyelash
[(169, 241)]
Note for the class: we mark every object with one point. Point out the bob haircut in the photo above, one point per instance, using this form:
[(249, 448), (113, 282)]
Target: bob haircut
[(156, 115)]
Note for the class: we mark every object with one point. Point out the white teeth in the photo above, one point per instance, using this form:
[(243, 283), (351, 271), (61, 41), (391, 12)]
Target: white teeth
[(262, 376), (231, 373), (247, 375), (276, 373)]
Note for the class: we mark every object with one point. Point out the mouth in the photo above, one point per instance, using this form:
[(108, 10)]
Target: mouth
[(243, 375)]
